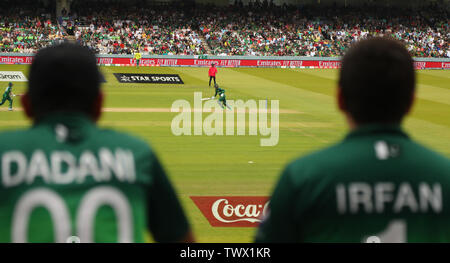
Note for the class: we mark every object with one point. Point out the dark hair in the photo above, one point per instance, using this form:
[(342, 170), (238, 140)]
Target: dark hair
[(63, 77), (377, 81)]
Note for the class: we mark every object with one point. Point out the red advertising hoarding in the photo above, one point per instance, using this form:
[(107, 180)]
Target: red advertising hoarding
[(232, 211), (225, 62)]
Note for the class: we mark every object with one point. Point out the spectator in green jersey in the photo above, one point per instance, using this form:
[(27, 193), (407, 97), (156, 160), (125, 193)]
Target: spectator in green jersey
[(376, 185), (97, 185)]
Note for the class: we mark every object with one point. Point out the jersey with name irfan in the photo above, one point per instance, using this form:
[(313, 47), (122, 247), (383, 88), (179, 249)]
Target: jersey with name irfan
[(377, 185), (64, 179)]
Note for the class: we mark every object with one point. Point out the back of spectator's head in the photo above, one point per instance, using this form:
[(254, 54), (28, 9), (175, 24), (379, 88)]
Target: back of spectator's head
[(376, 81), (63, 78)]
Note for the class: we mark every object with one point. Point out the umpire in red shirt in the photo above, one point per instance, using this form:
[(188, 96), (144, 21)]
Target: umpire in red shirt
[(212, 74)]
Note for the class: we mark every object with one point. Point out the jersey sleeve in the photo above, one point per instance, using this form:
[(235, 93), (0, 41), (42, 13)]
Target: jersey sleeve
[(166, 219), (279, 224)]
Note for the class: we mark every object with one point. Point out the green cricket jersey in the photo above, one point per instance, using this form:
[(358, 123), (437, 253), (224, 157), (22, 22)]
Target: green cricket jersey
[(7, 93), (66, 177), (221, 93), (377, 185)]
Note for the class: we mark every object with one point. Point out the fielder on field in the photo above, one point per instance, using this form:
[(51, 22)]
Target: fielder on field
[(217, 89), (7, 96), (137, 57), (64, 179)]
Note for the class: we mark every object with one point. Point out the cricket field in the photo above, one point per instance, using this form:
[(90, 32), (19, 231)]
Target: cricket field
[(232, 165)]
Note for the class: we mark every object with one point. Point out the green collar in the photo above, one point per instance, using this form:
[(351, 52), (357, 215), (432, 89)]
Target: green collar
[(372, 129), (68, 126), (66, 118)]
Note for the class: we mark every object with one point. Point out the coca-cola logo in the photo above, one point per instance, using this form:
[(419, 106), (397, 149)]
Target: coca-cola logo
[(232, 211)]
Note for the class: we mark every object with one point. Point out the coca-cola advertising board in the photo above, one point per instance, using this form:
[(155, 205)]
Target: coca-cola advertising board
[(232, 211)]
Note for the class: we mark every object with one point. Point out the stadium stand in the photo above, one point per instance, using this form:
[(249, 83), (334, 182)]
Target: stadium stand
[(255, 30)]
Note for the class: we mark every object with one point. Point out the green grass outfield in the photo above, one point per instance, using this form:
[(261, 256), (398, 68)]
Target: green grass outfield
[(219, 165)]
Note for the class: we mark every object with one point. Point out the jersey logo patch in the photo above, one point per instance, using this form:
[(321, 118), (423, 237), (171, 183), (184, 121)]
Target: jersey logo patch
[(384, 151), (61, 133)]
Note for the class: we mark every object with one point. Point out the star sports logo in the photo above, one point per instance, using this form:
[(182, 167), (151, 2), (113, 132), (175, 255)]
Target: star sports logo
[(125, 79)]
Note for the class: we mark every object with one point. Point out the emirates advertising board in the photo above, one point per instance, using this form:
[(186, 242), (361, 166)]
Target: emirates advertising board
[(223, 62)]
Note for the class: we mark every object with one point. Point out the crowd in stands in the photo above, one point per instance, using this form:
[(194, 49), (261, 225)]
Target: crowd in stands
[(120, 29), (27, 27), (260, 29), (283, 31)]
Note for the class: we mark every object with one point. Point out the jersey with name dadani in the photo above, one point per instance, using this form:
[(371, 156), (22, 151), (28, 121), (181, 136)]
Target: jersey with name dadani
[(64, 180), (377, 185)]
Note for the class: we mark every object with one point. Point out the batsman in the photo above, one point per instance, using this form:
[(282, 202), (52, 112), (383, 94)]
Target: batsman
[(7, 96), (222, 98)]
